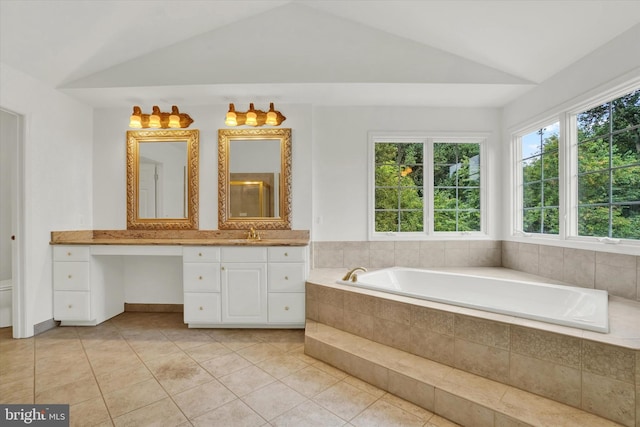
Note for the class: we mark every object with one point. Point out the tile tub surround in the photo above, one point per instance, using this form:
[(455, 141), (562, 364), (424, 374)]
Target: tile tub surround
[(618, 274), (599, 373)]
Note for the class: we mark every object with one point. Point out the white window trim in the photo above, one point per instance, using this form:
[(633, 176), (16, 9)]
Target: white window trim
[(565, 114), (518, 186), (428, 139)]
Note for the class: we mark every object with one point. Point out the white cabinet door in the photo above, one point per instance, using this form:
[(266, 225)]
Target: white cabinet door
[(244, 292)]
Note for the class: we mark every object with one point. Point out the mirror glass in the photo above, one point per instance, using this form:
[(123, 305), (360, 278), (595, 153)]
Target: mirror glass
[(162, 179), (254, 178)]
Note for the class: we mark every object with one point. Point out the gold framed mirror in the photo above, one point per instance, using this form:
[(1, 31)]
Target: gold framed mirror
[(162, 179), (254, 179)]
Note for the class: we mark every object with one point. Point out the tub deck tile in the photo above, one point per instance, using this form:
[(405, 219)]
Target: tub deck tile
[(460, 396)]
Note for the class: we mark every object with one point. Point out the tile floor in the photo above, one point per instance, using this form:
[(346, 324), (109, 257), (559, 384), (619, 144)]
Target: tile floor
[(142, 369)]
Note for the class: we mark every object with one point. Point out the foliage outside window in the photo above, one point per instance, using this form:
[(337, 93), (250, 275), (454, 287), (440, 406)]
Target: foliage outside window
[(540, 183), (456, 187), (400, 185), (608, 151)]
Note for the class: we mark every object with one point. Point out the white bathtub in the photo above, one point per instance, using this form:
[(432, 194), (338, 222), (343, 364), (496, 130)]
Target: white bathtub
[(563, 305)]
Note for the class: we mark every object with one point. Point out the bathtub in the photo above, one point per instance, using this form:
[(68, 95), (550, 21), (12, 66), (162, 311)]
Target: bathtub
[(563, 305)]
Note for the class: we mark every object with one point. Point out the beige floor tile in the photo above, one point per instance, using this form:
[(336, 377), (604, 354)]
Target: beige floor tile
[(273, 400), (133, 397), (225, 365), (246, 380), (71, 393), (308, 414), (152, 349), (281, 366), (344, 400), (203, 398), (437, 421), (89, 413), (309, 381), (334, 372), (383, 414), (122, 378), (258, 352), (66, 375), (235, 413), (177, 372), (189, 338), (108, 361), (233, 339), (160, 413), (207, 351), (416, 410), (362, 385)]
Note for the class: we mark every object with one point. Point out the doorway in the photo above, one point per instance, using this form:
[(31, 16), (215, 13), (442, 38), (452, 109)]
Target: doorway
[(10, 221)]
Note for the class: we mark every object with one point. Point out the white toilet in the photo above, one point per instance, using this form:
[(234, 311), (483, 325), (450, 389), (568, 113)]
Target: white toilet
[(5, 303)]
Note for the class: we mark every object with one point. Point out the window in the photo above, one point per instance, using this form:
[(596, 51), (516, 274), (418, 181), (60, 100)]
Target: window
[(608, 154), (413, 177), (579, 177), (399, 187), (540, 181), (456, 187)]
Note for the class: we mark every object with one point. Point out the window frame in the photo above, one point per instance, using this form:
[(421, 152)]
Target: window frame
[(518, 179), (566, 115), (428, 140)]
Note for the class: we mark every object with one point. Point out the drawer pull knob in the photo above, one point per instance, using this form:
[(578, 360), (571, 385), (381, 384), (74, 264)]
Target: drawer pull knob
[(286, 308), (199, 253), (201, 308), (286, 254), (69, 276), (199, 277), (70, 306), (222, 268), (286, 277), (68, 253)]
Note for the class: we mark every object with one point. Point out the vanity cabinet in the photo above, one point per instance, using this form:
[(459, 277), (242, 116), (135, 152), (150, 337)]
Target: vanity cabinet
[(259, 287), (222, 286), (71, 286)]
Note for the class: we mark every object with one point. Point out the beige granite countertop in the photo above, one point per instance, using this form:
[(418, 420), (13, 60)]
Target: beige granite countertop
[(624, 314), (180, 237)]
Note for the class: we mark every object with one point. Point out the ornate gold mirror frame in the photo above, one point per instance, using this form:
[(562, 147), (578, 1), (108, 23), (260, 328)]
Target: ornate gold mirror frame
[(180, 208), (281, 219)]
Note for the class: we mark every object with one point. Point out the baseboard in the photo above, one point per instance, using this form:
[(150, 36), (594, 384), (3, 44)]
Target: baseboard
[(41, 327), (153, 308)]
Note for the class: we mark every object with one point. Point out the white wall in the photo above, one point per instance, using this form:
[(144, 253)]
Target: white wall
[(57, 177), (109, 163), (340, 156)]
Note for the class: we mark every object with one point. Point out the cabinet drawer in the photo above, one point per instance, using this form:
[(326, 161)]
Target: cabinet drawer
[(71, 276), (201, 277), (286, 308), (201, 307), (243, 254), (287, 253), (71, 305), (201, 254), (286, 277), (71, 253)]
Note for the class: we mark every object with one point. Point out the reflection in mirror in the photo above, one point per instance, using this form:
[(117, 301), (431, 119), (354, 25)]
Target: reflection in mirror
[(254, 178), (162, 179)]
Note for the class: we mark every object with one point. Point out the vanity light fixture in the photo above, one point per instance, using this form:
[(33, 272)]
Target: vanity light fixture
[(253, 117), (159, 120)]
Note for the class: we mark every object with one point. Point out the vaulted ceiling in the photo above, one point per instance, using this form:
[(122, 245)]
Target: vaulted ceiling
[(343, 52)]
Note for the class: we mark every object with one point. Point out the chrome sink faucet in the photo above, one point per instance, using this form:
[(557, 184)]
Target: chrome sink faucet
[(351, 274)]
